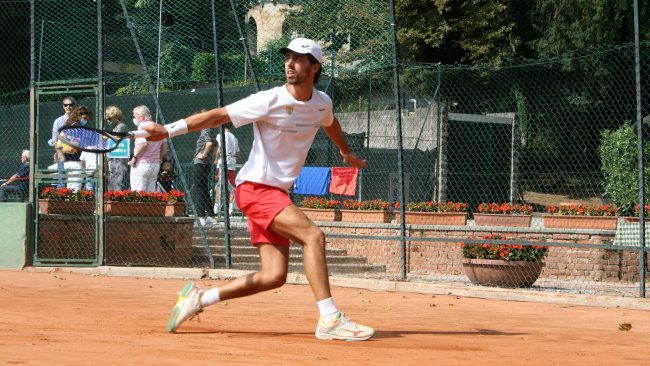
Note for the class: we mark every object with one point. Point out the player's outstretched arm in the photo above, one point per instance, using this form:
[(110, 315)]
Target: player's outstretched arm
[(196, 122), (335, 133)]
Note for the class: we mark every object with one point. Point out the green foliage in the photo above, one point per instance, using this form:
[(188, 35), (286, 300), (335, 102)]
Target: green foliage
[(620, 166), (203, 66), (360, 28), (451, 31), (175, 63), (132, 88), (570, 25)]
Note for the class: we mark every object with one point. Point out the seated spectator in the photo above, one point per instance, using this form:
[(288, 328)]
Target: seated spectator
[(18, 182), (166, 177)]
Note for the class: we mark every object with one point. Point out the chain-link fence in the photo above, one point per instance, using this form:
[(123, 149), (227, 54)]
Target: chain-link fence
[(546, 143)]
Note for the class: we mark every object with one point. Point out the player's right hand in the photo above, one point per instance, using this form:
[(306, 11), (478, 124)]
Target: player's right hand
[(156, 132), (355, 161)]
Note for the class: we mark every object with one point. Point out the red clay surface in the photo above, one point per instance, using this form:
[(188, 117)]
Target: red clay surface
[(77, 319)]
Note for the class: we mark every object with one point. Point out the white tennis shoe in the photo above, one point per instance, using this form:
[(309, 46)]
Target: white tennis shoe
[(187, 306), (344, 329)]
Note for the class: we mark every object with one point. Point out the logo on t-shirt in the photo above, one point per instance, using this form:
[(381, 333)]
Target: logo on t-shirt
[(289, 110)]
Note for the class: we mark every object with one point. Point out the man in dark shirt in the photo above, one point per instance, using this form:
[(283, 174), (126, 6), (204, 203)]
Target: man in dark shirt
[(200, 175), (18, 182)]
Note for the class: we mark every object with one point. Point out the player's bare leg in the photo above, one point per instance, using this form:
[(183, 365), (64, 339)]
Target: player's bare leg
[(293, 224), (333, 324), (274, 260)]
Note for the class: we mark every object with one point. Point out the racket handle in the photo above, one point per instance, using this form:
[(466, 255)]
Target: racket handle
[(137, 134)]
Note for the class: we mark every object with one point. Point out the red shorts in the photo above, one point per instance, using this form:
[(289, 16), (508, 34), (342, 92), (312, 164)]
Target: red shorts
[(230, 173), (261, 203)]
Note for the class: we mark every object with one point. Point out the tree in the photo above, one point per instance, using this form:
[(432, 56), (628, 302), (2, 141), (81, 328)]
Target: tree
[(446, 31), (569, 25), (352, 31)]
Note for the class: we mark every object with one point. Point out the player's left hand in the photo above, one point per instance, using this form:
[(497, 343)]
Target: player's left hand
[(352, 159), (156, 132)]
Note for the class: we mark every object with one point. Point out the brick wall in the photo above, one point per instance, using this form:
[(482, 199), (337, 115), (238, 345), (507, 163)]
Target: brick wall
[(130, 241), (445, 258)]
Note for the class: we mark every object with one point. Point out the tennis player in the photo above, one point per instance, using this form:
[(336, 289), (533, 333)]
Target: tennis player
[(285, 121)]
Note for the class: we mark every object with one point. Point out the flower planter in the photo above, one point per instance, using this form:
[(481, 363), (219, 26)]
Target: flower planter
[(580, 222), (145, 209), (434, 218), (322, 214), (149, 241), (500, 273), (66, 207), (482, 219), (369, 216)]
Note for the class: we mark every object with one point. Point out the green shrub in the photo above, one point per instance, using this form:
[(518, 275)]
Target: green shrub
[(203, 66), (620, 165)]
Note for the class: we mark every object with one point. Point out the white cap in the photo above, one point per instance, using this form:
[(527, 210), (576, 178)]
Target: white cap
[(304, 46)]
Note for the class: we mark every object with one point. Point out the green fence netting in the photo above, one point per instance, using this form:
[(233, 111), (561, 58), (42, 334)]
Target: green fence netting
[(540, 133)]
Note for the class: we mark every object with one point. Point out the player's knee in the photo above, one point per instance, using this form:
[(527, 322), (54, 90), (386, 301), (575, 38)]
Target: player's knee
[(274, 279), (315, 237)]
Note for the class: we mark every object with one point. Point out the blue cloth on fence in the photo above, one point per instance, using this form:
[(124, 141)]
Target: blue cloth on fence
[(313, 180)]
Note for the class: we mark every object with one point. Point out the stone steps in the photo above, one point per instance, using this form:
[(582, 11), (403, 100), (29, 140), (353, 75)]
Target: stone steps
[(245, 257)]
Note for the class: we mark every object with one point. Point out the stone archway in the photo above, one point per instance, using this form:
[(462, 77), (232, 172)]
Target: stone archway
[(268, 19)]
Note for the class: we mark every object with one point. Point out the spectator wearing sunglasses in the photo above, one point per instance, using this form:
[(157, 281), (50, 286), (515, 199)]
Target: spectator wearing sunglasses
[(69, 104)]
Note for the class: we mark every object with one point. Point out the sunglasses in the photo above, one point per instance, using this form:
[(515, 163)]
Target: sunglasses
[(68, 105)]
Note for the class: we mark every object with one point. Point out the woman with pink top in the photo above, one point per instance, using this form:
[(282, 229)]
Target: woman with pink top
[(147, 155)]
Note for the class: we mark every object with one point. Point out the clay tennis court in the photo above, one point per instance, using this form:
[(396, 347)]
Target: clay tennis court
[(65, 318)]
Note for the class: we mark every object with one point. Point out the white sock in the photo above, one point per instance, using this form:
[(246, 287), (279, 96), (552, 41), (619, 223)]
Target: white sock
[(328, 309), (210, 297)]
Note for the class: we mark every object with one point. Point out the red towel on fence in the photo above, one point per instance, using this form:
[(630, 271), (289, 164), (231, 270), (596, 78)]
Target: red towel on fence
[(344, 181)]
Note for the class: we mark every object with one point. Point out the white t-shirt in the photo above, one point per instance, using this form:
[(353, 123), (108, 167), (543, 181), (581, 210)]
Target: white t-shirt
[(284, 129), (90, 159), (232, 148)]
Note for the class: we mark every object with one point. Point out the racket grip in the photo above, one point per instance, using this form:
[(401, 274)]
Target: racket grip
[(138, 134)]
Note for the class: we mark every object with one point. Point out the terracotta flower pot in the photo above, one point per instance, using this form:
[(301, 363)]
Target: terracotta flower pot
[(434, 218), (145, 209), (580, 222), (368, 216), (501, 273), (66, 207), (322, 214), (482, 219)]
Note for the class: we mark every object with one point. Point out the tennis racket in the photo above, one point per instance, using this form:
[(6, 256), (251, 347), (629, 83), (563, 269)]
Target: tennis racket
[(94, 140)]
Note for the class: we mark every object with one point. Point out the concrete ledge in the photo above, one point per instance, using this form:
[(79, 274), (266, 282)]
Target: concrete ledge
[(634, 303)]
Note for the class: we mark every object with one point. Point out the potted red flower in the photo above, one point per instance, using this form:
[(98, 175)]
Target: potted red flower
[(371, 211), (321, 209), (502, 264), (140, 203), (503, 214), (637, 210), (580, 216), (64, 201), (434, 213)]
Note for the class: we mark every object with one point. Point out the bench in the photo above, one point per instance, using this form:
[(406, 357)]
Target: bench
[(627, 234)]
